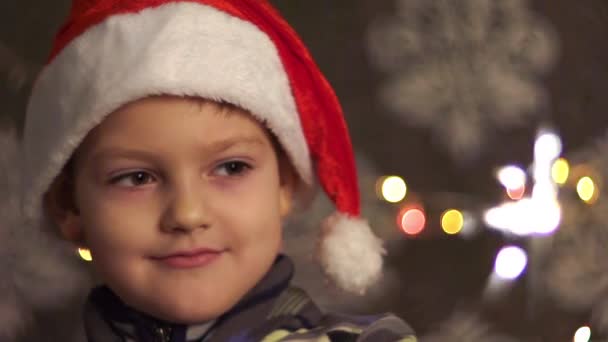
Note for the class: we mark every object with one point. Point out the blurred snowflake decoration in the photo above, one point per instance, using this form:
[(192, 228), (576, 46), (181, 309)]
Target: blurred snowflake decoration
[(17, 72), (462, 67), (571, 265)]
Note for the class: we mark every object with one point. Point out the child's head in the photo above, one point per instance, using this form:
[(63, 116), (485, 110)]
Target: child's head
[(165, 176), (152, 170)]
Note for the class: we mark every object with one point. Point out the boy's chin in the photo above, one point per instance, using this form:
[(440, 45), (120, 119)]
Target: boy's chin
[(193, 311), (189, 317)]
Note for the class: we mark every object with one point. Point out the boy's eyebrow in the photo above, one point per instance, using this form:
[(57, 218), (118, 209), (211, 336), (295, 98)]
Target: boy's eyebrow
[(222, 145), (214, 147)]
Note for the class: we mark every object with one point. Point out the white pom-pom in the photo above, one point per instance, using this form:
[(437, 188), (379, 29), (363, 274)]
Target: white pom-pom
[(349, 253)]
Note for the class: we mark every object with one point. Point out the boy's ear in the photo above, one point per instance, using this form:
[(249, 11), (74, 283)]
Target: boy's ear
[(59, 205), (289, 183)]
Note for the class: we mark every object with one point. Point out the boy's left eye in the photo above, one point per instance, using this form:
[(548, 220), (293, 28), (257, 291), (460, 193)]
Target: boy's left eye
[(232, 168)]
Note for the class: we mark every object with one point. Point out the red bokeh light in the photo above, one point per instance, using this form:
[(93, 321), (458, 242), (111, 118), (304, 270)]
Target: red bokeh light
[(516, 194), (411, 220)]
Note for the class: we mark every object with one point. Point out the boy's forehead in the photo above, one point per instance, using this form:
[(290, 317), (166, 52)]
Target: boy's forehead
[(146, 124), (107, 151), (160, 111)]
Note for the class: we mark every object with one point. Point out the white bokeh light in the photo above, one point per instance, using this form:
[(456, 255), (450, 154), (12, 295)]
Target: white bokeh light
[(548, 146), (393, 189), (512, 177), (526, 217), (539, 213), (583, 334), (510, 262)]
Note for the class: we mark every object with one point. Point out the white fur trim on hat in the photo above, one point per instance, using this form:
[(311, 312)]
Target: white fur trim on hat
[(180, 48), (350, 253)]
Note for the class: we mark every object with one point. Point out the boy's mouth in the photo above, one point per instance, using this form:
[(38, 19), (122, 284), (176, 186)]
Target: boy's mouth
[(190, 258)]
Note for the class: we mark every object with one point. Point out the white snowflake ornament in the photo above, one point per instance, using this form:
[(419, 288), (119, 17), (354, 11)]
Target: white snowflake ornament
[(464, 67)]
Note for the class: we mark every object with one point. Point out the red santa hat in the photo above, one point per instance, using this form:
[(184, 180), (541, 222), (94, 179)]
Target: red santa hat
[(112, 52)]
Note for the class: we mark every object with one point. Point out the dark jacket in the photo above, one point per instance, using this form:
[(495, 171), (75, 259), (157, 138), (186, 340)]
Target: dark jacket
[(272, 311)]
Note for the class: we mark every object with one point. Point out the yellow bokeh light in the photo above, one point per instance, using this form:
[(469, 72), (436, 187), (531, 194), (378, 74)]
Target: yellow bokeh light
[(586, 189), (452, 221), (560, 171), (393, 189), (85, 254)]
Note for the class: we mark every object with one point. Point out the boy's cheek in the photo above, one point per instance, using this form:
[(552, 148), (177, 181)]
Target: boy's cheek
[(118, 227)]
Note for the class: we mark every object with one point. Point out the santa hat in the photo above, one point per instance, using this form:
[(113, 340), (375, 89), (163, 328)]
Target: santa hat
[(112, 52)]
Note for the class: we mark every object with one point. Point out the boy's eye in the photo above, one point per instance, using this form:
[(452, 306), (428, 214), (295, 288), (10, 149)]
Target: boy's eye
[(132, 179), (232, 168)]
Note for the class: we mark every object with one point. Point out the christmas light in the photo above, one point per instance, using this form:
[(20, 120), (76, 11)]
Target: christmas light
[(393, 189), (560, 171), (510, 263), (540, 213), (547, 147), (511, 177), (517, 194), (586, 189), (411, 220), (452, 221), (583, 334), (85, 254)]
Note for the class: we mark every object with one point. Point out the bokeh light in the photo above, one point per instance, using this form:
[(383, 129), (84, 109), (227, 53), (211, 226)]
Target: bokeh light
[(587, 190), (510, 262), (560, 171), (517, 193), (411, 220), (452, 221), (85, 254), (512, 177), (392, 189), (548, 146), (526, 217), (583, 334)]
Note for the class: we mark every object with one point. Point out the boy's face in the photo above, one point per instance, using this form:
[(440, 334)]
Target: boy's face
[(180, 202)]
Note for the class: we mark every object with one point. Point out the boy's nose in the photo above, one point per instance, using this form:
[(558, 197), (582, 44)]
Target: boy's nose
[(185, 211)]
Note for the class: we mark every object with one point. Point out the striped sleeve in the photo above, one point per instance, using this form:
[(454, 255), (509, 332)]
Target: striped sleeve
[(340, 328)]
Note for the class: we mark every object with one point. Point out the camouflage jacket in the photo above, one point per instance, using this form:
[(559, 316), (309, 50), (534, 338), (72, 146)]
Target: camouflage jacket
[(273, 311)]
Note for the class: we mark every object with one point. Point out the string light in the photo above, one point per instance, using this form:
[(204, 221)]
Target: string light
[(452, 221), (411, 220), (560, 171), (547, 146), (85, 254), (510, 263), (517, 194), (583, 334), (586, 189), (511, 177), (540, 213), (392, 189)]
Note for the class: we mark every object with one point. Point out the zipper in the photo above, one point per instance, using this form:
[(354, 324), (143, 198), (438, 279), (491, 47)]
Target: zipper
[(163, 334)]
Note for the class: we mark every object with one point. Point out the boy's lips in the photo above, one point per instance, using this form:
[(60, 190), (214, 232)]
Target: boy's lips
[(190, 258)]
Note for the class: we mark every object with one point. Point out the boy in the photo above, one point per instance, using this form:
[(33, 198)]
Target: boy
[(171, 138)]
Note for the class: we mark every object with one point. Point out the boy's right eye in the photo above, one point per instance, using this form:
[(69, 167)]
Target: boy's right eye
[(132, 179)]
